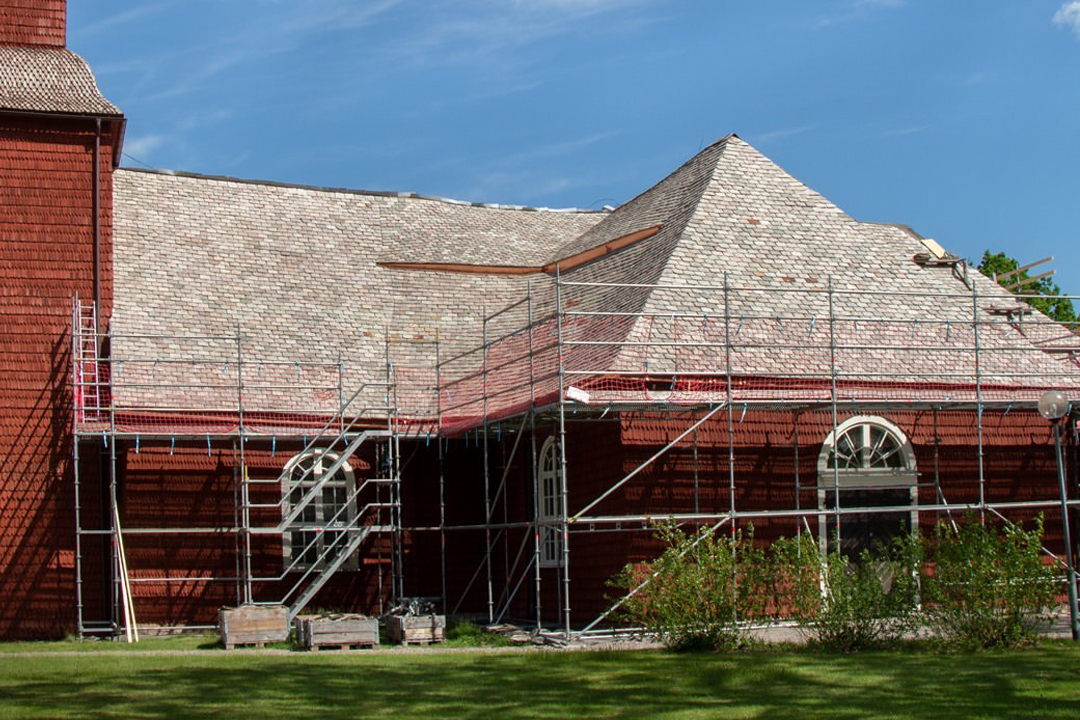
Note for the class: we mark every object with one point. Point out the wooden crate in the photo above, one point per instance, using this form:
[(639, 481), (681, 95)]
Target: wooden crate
[(340, 631), (417, 629), (254, 625)]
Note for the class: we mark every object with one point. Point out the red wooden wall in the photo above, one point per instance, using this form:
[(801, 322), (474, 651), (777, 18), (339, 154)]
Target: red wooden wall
[(1018, 465), (33, 22), (45, 259)]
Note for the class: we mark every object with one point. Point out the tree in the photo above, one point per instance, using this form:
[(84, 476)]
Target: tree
[(1045, 291)]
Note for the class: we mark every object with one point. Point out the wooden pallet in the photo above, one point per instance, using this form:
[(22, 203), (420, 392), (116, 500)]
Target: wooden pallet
[(417, 629), (344, 646), (253, 625), (337, 631)]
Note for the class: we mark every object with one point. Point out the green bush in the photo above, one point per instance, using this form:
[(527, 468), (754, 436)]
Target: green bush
[(988, 587), (462, 632), (844, 605), (975, 587), (705, 586)]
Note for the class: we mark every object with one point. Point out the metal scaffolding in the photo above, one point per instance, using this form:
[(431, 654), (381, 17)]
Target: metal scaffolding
[(699, 354), (565, 354), (201, 391)]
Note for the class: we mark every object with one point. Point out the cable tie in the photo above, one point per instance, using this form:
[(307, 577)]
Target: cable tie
[(273, 445), (744, 405), (207, 444), (105, 438), (172, 444), (136, 443)]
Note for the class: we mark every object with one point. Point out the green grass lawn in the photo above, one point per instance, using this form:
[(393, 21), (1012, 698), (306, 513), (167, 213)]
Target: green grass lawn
[(1041, 682)]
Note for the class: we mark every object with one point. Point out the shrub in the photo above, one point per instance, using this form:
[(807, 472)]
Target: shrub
[(704, 585), (844, 605), (988, 587), (462, 632)]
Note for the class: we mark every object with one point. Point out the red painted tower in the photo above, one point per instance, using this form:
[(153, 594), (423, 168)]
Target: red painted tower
[(59, 142)]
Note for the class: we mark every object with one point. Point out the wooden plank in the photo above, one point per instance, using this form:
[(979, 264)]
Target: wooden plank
[(1010, 273), (1032, 279)]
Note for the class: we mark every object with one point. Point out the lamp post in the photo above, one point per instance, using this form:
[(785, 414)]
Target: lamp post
[(1053, 406)]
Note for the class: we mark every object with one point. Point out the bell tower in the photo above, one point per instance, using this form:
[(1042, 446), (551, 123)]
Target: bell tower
[(59, 143)]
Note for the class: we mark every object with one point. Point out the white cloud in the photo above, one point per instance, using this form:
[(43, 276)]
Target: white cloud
[(780, 134), (558, 149), (904, 131), (856, 10), (124, 17), (143, 145), (1069, 16), (476, 30)]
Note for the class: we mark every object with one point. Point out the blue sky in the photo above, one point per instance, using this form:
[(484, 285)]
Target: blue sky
[(957, 117)]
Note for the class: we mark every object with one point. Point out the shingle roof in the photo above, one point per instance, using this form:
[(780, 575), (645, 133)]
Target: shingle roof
[(297, 269), (53, 80), (769, 232)]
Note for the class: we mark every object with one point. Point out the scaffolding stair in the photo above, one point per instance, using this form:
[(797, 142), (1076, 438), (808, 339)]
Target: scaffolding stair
[(321, 572), (315, 489), (347, 529)]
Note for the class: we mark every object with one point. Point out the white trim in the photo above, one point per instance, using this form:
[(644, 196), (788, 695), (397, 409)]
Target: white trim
[(549, 504), (865, 477), (904, 476)]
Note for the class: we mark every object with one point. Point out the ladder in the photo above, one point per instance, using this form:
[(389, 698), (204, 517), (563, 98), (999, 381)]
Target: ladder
[(89, 384)]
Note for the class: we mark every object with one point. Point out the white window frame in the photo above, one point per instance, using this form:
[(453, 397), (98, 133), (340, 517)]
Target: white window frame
[(869, 474), (318, 514), (549, 504)]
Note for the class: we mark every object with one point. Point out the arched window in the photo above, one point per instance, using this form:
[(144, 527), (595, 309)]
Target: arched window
[(870, 463), (866, 448), (320, 528), (549, 479)]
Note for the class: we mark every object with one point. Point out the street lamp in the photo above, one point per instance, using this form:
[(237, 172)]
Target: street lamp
[(1053, 406)]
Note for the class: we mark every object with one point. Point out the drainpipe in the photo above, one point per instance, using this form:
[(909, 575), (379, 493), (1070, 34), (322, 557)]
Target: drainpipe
[(96, 202)]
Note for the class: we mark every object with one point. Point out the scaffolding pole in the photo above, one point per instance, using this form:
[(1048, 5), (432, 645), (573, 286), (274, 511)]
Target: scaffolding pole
[(564, 484), (978, 396), (534, 474), (442, 470), (487, 474)]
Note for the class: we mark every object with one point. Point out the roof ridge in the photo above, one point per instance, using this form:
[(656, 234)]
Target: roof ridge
[(407, 195), (561, 250)]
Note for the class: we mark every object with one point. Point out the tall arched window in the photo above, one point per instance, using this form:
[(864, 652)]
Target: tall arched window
[(870, 463), (320, 528), (549, 479)]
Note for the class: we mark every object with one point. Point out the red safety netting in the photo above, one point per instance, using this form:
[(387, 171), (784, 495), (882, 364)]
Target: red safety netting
[(677, 346)]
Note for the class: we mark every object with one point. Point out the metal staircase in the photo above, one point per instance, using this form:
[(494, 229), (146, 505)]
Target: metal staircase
[(331, 524)]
